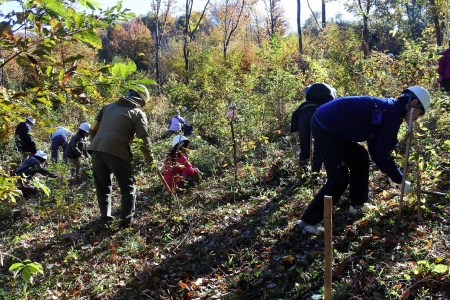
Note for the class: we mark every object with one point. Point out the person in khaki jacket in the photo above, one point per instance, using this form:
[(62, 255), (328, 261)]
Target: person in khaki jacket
[(111, 133)]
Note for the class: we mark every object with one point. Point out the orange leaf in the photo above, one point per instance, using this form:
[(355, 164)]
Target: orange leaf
[(69, 73), (182, 285), (9, 35), (406, 294)]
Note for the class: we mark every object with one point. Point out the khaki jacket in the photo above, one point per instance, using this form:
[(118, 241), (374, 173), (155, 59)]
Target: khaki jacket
[(119, 122)]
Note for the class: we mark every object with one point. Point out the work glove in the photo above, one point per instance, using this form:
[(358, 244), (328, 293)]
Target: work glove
[(408, 189)]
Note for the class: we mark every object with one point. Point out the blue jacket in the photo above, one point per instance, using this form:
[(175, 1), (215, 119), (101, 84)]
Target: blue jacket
[(352, 119), (24, 139), (30, 167)]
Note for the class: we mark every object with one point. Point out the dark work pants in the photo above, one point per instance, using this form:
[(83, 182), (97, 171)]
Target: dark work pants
[(340, 157), (104, 166), (445, 84), (304, 134), (58, 141)]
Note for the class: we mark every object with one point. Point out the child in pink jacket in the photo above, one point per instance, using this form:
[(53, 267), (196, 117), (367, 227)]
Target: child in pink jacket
[(178, 171)]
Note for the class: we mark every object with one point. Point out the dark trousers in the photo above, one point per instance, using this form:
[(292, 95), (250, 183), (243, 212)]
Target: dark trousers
[(58, 141), (104, 166), (304, 134), (445, 84), (345, 162)]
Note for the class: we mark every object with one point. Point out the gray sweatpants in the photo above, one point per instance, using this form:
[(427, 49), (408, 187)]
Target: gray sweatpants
[(104, 166)]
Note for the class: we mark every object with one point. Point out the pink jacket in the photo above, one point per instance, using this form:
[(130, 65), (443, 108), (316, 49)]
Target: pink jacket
[(174, 172), (444, 64)]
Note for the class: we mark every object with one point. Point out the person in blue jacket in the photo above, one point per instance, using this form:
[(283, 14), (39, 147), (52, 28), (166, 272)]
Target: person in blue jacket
[(338, 128), (28, 169), (23, 138), (59, 138)]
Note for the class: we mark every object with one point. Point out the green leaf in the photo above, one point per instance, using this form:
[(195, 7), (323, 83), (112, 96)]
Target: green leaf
[(79, 19), (48, 71), (144, 81), (6, 105), (57, 7), (61, 98), (440, 268), (123, 70), (35, 267), (26, 275), (90, 4), (89, 37), (407, 277), (16, 266)]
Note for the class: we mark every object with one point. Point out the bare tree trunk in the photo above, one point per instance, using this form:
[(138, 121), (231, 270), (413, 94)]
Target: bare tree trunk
[(189, 34), (365, 13), (299, 30), (233, 23), (324, 18), (437, 25), (158, 48)]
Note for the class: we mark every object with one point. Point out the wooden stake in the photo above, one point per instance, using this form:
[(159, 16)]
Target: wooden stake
[(405, 166), (234, 151), (418, 179), (327, 221)]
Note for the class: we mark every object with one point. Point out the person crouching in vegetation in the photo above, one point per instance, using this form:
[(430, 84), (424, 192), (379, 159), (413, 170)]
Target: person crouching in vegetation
[(77, 148), (316, 95), (24, 138), (178, 171), (338, 128), (28, 169)]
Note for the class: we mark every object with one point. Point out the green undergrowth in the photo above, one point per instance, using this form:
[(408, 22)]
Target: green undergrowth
[(233, 239)]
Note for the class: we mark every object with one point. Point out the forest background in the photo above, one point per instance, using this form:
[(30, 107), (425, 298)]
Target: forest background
[(234, 236)]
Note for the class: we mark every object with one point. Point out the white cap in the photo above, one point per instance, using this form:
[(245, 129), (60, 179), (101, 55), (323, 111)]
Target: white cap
[(30, 119), (178, 139), (142, 91), (422, 95), (84, 126), (41, 154)]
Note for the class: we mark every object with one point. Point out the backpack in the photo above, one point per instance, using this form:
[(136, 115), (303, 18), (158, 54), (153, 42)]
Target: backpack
[(316, 95)]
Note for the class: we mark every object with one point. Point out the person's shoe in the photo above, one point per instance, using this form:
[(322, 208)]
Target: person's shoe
[(361, 209), (312, 229)]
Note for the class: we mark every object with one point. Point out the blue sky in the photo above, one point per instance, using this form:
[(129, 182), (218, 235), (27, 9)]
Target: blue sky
[(143, 6)]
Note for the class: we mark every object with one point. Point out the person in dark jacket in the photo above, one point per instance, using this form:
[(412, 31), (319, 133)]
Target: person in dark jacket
[(316, 95), (28, 169), (338, 126), (444, 69), (111, 134), (59, 139), (77, 148), (23, 138)]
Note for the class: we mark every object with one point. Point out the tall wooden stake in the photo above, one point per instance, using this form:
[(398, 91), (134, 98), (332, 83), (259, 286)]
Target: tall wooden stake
[(418, 178), (234, 152), (405, 166), (327, 221)]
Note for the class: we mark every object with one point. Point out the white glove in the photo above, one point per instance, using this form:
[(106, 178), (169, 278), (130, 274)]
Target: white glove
[(408, 189)]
